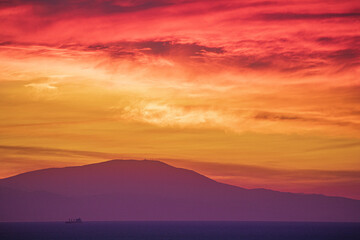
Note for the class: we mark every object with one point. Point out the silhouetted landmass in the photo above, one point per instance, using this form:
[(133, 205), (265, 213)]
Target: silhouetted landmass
[(152, 190)]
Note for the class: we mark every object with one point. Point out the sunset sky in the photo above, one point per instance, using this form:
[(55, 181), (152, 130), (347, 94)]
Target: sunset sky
[(259, 94)]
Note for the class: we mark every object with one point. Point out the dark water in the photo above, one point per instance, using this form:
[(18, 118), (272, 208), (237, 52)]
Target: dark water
[(180, 230)]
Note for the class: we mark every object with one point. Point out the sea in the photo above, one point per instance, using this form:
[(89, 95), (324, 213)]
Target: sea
[(180, 231)]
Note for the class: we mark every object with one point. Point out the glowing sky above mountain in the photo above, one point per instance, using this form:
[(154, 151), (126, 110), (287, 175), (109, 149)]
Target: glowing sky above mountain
[(251, 93)]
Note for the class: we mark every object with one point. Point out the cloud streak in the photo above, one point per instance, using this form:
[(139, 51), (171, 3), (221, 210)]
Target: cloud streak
[(304, 16)]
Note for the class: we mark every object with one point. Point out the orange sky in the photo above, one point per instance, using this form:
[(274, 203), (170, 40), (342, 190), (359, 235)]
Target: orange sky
[(252, 93)]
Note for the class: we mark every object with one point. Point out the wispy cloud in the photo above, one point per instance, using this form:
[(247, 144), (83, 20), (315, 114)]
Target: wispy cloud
[(167, 115), (305, 16)]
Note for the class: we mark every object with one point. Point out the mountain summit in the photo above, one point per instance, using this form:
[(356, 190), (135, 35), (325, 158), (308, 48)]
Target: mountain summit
[(153, 190)]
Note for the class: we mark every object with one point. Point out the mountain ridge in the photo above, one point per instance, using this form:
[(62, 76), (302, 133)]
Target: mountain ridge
[(165, 164), (154, 190)]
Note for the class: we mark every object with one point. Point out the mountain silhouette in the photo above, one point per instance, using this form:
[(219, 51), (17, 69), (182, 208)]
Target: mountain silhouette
[(153, 190)]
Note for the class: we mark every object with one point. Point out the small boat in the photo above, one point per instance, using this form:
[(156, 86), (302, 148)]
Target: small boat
[(74, 220)]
